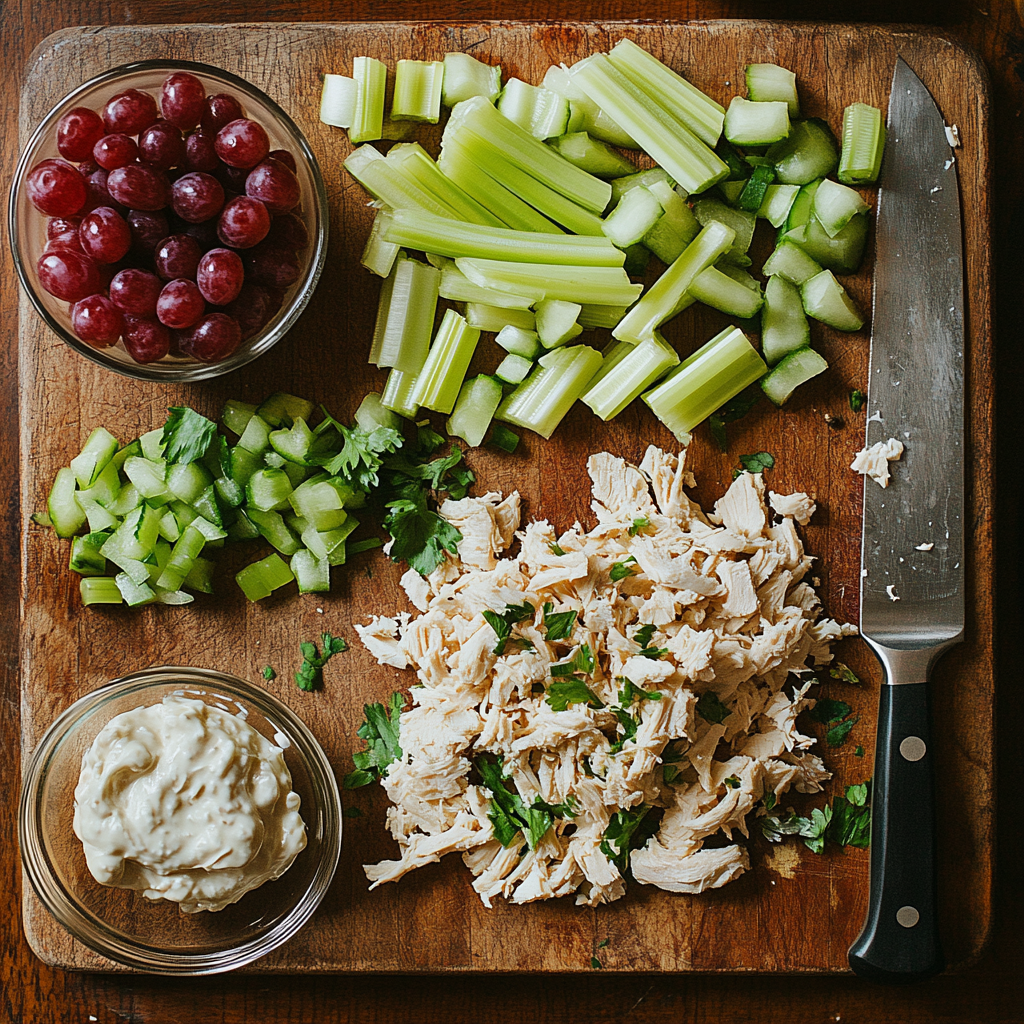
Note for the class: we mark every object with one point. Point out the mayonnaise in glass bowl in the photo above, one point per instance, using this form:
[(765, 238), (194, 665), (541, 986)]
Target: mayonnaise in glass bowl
[(149, 934)]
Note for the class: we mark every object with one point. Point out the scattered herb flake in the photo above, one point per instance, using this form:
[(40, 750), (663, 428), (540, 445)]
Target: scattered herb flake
[(509, 814), (631, 692), (558, 625), (582, 660), (359, 546), (269, 673), (639, 525), (421, 536), (670, 773), (857, 400), (711, 709), (596, 964), (629, 726), (310, 674), (859, 751), (732, 782), (380, 733), (847, 822), (620, 570), (569, 808), (561, 694), (555, 549), (828, 711), (843, 673), (502, 624), (757, 462), (837, 735), (644, 634), (629, 829), (604, 943)]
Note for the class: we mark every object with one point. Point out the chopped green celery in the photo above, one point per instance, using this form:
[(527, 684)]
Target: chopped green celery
[(397, 395), (756, 188), (66, 515), (740, 275), (800, 210), (795, 369), (496, 319), (503, 438), (513, 369), (229, 493), (371, 414), (454, 239), (243, 464), (368, 112), (379, 256), (599, 315), (634, 216), (98, 517), (478, 399), (329, 544), (127, 499), (438, 383), (99, 590), (541, 402), (668, 295), (466, 77), (826, 300), (592, 155), (620, 186), (184, 552), (732, 190), (256, 436), (675, 229), (273, 528), (269, 489), (338, 101), (835, 205), (611, 355), (458, 288), (321, 503), (134, 594), (293, 443), (405, 316), (684, 101), (169, 529), (519, 342), (152, 444), (784, 326), (630, 373), (542, 113), (136, 536), (93, 459), (242, 528), (282, 409), (755, 124), (777, 202), (720, 291), (556, 322), (741, 221), (703, 383), (391, 184), (638, 258), (312, 574), (200, 576), (660, 133), (540, 281), (790, 262), (172, 597), (236, 415), (863, 143), (148, 478), (186, 481), (417, 91), (842, 253), (106, 488), (584, 114), (767, 83), (86, 558), (808, 152), (739, 168), (262, 578)]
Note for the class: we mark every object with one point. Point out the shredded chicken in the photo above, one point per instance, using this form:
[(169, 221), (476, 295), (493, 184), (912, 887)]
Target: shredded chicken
[(705, 732), (874, 461)]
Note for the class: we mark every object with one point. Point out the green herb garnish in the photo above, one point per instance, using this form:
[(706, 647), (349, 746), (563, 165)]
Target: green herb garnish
[(582, 660), (561, 694), (310, 674), (558, 625), (711, 709), (269, 673), (502, 625), (857, 400), (620, 570), (638, 525), (509, 813), (186, 435), (629, 829), (380, 733), (756, 462)]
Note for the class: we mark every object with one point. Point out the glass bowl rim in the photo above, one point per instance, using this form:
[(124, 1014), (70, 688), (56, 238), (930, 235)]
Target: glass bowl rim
[(90, 930), (183, 372)]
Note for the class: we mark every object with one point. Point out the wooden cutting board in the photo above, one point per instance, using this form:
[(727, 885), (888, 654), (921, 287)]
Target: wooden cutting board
[(794, 911)]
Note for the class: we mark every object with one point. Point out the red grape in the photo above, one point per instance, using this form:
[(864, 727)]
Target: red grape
[(135, 292), (232, 178), (146, 340), (214, 338), (182, 99), (272, 266), (197, 197), (221, 109), (288, 232), (68, 274), (105, 235), (243, 223), (199, 152), (180, 304), (113, 151), (97, 320), (59, 225), (242, 143), (161, 145), (251, 309), (139, 187), (204, 233), (77, 132), (65, 240), (148, 228), (274, 185), (129, 112), (177, 256), (56, 188), (284, 157), (220, 276), (97, 192)]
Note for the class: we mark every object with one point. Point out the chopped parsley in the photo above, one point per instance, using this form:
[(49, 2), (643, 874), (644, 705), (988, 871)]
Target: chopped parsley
[(502, 625), (828, 711), (604, 943), (735, 409), (421, 536), (711, 709), (838, 734), (631, 692), (639, 525), (186, 435), (509, 814), (380, 734), (859, 752), (561, 694), (643, 637), (569, 807), (843, 673), (756, 462), (620, 570), (629, 726), (555, 549), (558, 625), (582, 660), (629, 829), (732, 782), (269, 673), (846, 822), (857, 400), (362, 454), (670, 772), (310, 674), (595, 963), (359, 546)]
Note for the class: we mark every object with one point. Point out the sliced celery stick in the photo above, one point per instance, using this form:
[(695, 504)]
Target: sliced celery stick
[(86, 559), (438, 383), (387, 289), (755, 124), (368, 112), (391, 185), (329, 544), (282, 409), (826, 300), (675, 229), (741, 221), (457, 287), (338, 101), (65, 513), (778, 200), (714, 374), (106, 488), (184, 552), (320, 503), (584, 114), (609, 285), (519, 342), (496, 319), (99, 590), (152, 445), (768, 83), (611, 355), (620, 186), (668, 295), (556, 322), (789, 261), (784, 326), (274, 529), (372, 414), (740, 275), (294, 442), (466, 77), (186, 481), (630, 373), (312, 574), (262, 578), (634, 216), (379, 256), (126, 500), (256, 436), (863, 143), (269, 489), (397, 394), (147, 476), (835, 205), (542, 400), (513, 369), (544, 114), (720, 291), (474, 410), (795, 369), (732, 190), (236, 415), (404, 337), (800, 212), (599, 315), (200, 576), (93, 459), (593, 156), (417, 92), (808, 152), (169, 529), (134, 594), (842, 253)]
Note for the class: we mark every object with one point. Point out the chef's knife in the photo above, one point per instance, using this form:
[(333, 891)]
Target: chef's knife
[(911, 595)]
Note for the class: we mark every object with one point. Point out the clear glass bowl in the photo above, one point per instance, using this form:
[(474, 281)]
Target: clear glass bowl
[(27, 225), (154, 935)]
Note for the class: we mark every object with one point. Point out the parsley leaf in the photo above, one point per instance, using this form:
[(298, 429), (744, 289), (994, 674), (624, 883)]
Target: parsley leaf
[(509, 814), (380, 733), (361, 456), (558, 625), (859, 752), (421, 536), (582, 660), (359, 546), (569, 808), (186, 435), (310, 674), (572, 691), (620, 570), (638, 525), (847, 822), (736, 408), (857, 400), (502, 624), (711, 709), (629, 829), (603, 943), (732, 782), (757, 462), (837, 735), (631, 692), (643, 635), (595, 963), (828, 711), (629, 726), (555, 549), (670, 773), (843, 673), (269, 673)]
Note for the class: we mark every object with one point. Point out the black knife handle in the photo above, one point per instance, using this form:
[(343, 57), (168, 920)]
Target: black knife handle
[(900, 940)]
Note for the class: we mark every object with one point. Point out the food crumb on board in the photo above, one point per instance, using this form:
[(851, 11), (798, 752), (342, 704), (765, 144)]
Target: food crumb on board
[(924, 547), (892, 593), (952, 135), (874, 461)]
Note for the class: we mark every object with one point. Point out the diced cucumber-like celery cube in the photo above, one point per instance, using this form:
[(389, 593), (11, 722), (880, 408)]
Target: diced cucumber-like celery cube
[(749, 123), (66, 515), (675, 229), (593, 155), (544, 114), (826, 300), (628, 373), (105, 488), (200, 576), (207, 506), (98, 451), (636, 213), (127, 499), (132, 448), (378, 255), (86, 558), (236, 415), (478, 399), (368, 112), (417, 94), (229, 491), (187, 547), (312, 574), (99, 590), (645, 179), (152, 444), (842, 253), (742, 222), (863, 143), (720, 291), (519, 342), (256, 435), (800, 212), (496, 319), (136, 536), (756, 188), (99, 518), (556, 322), (466, 77), (243, 464), (584, 114), (503, 438), (172, 597), (732, 190), (321, 503), (294, 442), (790, 262), (834, 206), (513, 369), (262, 578), (282, 409), (792, 371), (778, 201), (329, 544), (169, 528), (269, 489), (134, 594), (769, 82), (808, 152), (784, 326), (186, 481), (338, 102), (242, 528), (371, 414), (398, 393)]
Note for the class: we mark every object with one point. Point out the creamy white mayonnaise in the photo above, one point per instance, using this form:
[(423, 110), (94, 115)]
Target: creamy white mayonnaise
[(187, 803)]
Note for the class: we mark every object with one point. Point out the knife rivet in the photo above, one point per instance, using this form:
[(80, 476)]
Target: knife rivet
[(913, 748), (907, 916)]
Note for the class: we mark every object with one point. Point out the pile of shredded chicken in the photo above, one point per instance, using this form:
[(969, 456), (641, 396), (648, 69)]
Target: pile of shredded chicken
[(727, 595)]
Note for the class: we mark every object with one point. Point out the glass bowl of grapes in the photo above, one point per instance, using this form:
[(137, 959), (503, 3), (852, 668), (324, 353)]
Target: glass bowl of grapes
[(168, 221)]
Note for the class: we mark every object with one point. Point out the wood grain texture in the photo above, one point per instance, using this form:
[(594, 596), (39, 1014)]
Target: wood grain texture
[(780, 917)]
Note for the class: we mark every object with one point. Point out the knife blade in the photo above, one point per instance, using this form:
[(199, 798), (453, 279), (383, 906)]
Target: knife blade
[(912, 554)]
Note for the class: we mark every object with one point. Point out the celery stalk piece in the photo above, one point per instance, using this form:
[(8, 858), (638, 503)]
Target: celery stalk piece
[(417, 91), (720, 291), (701, 114), (630, 374), (478, 400), (544, 114), (513, 369), (372, 414), (428, 233), (863, 143), (403, 338), (675, 229), (93, 459), (684, 156), (397, 394), (741, 221), (477, 119), (835, 205), (608, 285), (371, 78), (841, 254), (826, 300), (556, 322), (768, 83), (379, 256), (338, 101), (732, 190), (620, 186), (99, 590), (594, 315), (86, 559), (795, 369), (466, 77), (668, 295), (808, 152), (134, 594), (458, 288), (381, 324), (262, 578), (496, 319), (518, 341), (778, 201), (634, 216), (386, 181), (592, 155), (312, 574), (541, 402), (611, 355), (584, 114), (790, 262), (714, 374), (784, 326), (438, 383), (755, 124)]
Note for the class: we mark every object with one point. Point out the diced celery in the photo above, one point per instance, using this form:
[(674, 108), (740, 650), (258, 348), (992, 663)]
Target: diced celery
[(184, 552), (778, 200), (136, 536), (835, 205), (438, 383), (675, 229), (599, 315), (405, 321), (107, 486), (236, 415), (800, 211), (127, 499), (784, 326), (466, 77), (808, 152), (329, 544), (379, 256), (519, 342), (99, 518), (638, 257), (718, 290), (795, 369), (756, 189), (392, 185), (256, 436), (609, 285), (86, 558), (242, 528), (732, 190), (768, 83), (474, 410), (186, 481), (496, 319), (134, 594), (293, 443), (321, 503), (863, 143), (826, 300), (629, 374), (99, 590), (269, 490), (148, 477), (842, 253), (152, 444), (282, 409), (513, 369), (620, 186), (243, 464), (748, 123), (503, 438), (229, 493), (200, 576), (93, 459), (457, 287), (417, 91), (592, 155), (741, 221), (273, 528), (556, 322), (539, 111), (634, 216), (789, 261), (169, 529), (371, 414), (611, 355), (368, 111), (397, 395), (262, 578), (312, 574), (584, 114), (338, 101)]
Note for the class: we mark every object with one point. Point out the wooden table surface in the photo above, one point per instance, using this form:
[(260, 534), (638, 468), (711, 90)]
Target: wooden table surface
[(991, 990)]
